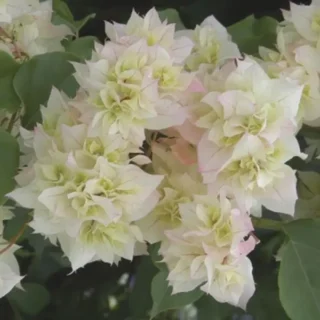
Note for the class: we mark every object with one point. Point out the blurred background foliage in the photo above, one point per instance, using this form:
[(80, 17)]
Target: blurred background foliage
[(192, 12), (123, 292)]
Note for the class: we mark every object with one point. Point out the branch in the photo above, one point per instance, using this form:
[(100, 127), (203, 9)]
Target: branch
[(15, 238)]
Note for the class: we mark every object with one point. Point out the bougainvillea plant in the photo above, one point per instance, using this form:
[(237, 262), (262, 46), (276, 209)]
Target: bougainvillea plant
[(191, 153)]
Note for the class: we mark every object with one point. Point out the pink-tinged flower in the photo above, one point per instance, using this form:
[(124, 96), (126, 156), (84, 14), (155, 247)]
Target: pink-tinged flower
[(253, 109)]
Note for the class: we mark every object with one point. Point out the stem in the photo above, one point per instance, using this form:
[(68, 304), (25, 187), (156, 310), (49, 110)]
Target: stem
[(11, 122), (15, 238), (268, 224)]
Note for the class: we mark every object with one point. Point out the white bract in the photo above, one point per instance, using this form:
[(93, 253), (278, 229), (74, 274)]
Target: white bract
[(131, 89), (82, 187), (26, 28), (260, 174), (213, 45), (72, 202), (247, 118), (181, 182), (209, 249), (298, 59), (154, 31)]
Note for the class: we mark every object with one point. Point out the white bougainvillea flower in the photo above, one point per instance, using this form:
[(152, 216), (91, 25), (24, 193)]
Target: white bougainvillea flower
[(97, 241), (213, 45), (209, 249), (205, 82), (153, 30), (187, 260), (57, 112), (219, 218), (181, 182), (9, 269), (299, 62), (253, 108), (88, 145), (232, 282), (130, 91), (90, 211), (260, 173), (103, 193), (11, 9), (30, 32), (306, 19)]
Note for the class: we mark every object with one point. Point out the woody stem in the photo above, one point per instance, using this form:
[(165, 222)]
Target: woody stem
[(15, 238)]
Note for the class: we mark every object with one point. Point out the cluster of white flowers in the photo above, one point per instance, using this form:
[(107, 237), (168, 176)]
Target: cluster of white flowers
[(134, 82), (209, 248), (9, 268), (227, 128), (244, 126), (84, 191), (298, 57), (26, 28)]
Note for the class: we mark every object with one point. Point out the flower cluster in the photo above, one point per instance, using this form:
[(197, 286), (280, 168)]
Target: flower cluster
[(298, 56), (244, 124), (173, 137), (209, 249), (134, 82), (26, 28), (83, 187)]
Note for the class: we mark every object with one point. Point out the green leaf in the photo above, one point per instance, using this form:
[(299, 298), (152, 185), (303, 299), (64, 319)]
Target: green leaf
[(32, 300), (62, 9), (172, 16), (269, 246), (16, 224), (142, 287), (299, 275), (308, 208), (250, 33), (312, 149), (47, 260), (81, 23), (265, 303), (210, 309), (9, 162), (82, 47), (35, 79), (156, 257), (63, 15), (8, 97), (308, 184), (163, 299)]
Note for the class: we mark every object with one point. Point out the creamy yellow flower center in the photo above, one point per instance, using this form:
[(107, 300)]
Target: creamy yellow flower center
[(94, 146), (93, 232), (223, 233), (168, 211), (253, 124), (167, 76), (57, 175)]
